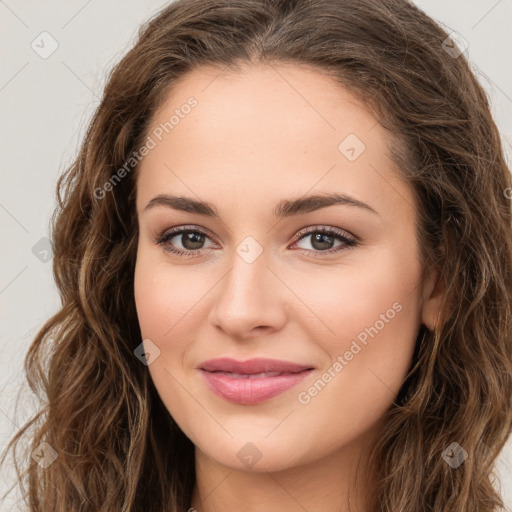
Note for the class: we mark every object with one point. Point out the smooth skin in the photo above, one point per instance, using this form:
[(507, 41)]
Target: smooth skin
[(255, 138)]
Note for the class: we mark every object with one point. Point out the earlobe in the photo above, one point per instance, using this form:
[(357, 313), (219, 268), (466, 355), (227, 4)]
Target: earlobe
[(434, 293)]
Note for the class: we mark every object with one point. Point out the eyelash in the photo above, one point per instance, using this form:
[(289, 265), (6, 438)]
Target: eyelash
[(349, 242)]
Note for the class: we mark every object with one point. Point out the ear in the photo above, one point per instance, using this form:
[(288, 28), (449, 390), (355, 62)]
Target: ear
[(434, 290)]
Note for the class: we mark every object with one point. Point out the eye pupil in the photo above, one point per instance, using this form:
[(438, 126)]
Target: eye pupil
[(192, 240), (321, 241)]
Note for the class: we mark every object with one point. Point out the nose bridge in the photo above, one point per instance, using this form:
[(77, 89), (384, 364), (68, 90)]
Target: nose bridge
[(248, 297)]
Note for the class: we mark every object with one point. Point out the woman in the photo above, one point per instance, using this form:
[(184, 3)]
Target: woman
[(284, 253)]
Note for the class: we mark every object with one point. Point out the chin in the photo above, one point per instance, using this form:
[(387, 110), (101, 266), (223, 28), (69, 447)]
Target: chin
[(258, 456)]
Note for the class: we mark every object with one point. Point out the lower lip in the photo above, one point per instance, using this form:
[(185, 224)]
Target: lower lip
[(251, 391)]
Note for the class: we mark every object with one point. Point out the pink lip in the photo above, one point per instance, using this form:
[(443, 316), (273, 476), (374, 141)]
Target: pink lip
[(246, 390), (256, 365)]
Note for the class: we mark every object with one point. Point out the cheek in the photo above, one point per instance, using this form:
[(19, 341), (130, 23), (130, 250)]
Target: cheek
[(170, 302), (152, 295), (165, 300), (374, 317), (349, 298), (165, 296)]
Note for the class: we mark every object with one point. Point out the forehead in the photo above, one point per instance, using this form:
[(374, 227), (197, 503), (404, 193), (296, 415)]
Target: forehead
[(264, 133)]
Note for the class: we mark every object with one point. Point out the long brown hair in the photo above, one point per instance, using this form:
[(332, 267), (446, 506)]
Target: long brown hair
[(117, 446)]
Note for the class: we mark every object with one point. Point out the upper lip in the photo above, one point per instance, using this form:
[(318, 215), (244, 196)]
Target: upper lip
[(251, 366)]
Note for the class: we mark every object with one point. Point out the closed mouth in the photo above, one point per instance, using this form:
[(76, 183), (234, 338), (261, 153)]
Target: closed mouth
[(261, 375)]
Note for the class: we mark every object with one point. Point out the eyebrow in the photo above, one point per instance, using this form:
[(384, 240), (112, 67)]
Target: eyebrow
[(285, 208)]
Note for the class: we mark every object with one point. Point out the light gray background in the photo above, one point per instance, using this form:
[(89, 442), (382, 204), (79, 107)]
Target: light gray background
[(45, 105)]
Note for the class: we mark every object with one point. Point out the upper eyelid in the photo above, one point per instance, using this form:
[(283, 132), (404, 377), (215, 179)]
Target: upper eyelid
[(324, 227), (180, 229)]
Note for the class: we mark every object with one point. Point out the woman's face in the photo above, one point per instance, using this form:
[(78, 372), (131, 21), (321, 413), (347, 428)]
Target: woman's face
[(260, 280)]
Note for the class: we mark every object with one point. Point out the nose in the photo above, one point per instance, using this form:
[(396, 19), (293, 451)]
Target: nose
[(250, 300)]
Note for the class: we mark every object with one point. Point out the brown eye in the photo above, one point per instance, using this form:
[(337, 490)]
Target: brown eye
[(323, 240), (191, 240)]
